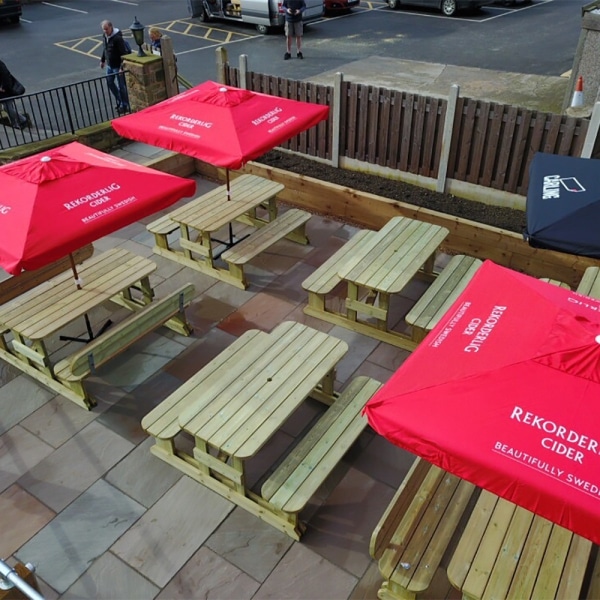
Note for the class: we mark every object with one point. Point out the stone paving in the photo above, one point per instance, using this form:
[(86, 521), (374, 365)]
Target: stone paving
[(83, 499)]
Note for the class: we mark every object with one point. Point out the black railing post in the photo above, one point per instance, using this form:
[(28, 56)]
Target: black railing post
[(67, 107)]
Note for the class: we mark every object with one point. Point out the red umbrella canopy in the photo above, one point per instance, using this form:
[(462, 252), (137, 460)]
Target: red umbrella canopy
[(505, 392), (222, 125), (57, 201)]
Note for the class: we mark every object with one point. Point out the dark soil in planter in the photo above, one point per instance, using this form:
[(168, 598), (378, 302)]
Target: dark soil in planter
[(505, 218)]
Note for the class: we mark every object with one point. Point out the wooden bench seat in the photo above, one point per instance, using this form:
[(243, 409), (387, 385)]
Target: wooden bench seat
[(590, 283), (72, 370), (592, 591), (302, 472), (293, 220), (418, 529), (441, 294), (322, 281), (161, 228)]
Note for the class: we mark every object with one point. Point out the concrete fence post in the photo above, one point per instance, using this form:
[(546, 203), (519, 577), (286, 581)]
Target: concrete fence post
[(244, 71), (336, 118), (221, 62), (447, 137)]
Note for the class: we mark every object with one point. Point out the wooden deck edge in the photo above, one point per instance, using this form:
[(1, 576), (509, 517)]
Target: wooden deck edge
[(371, 212)]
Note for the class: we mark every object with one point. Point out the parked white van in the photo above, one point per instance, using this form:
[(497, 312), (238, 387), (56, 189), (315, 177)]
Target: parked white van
[(265, 14)]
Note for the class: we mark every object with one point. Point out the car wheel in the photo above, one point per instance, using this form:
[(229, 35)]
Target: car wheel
[(393, 4), (448, 7), (204, 16), (14, 19), (264, 29)]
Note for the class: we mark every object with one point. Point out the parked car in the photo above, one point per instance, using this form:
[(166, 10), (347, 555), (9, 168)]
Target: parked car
[(10, 10), (448, 7), (339, 6)]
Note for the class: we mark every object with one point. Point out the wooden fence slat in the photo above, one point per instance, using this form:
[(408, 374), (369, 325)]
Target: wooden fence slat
[(495, 124), (468, 126), (520, 147), (553, 131), (363, 122), (405, 146), (352, 120), (566, 136), (480, 133), (454, 146), (383, 137), (373, 125), (395, 138), (431, 128), (417, 134), (508, 123)]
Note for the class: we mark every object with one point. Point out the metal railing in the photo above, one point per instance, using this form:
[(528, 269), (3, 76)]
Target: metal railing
[(57, 111)]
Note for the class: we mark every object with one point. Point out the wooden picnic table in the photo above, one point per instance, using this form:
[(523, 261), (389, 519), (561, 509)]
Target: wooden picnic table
[(234, 405), (506, 551), (378, 266), (200, 219), (28, 321)]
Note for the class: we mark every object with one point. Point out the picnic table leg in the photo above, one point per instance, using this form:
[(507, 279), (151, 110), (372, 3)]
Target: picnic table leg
[(147, 290), (325, 391), (238, 465), (200, 451), (384, 304), (185, 234), (3, 342), (352, 295), (428, 266), (316, 301), (207, 243), (272, 209)]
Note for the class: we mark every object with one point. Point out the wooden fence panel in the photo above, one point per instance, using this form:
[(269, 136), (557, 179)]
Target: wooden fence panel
[(492, 144)]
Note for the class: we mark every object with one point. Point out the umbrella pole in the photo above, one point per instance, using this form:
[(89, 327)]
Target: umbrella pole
[(231, 241), (88, 325)]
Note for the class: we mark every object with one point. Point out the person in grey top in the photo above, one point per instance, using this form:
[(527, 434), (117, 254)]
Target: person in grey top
[(293, 26)]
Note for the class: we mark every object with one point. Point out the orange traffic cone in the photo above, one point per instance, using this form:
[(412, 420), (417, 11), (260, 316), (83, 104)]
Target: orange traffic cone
[(578, 93)]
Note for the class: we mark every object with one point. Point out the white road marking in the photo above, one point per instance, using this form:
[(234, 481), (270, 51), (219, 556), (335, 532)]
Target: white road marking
[(84, 12)]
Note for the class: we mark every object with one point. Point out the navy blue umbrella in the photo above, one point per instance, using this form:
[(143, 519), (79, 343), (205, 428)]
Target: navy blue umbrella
[(563, 204)]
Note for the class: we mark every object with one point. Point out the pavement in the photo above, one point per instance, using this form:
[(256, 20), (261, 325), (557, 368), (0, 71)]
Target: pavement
[(83, 499), (535, 92)]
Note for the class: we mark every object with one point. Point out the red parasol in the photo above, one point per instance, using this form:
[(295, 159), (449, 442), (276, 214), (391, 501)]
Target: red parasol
[(504, 393), (57, 201), (222, 125)]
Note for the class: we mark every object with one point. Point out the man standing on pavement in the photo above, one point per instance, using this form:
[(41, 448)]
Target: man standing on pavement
[(112, 56), (293, 26), (17, 120)]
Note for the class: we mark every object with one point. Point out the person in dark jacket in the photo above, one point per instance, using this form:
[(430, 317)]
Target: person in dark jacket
[(17, 120), (293, 26), (112, 57)]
